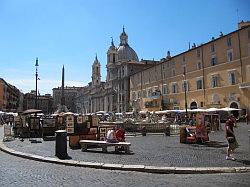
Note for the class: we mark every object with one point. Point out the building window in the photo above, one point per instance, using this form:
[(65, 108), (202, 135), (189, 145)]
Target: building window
[(173, 72), (133, 95), (198, 53), (165, 89), (248, 33), (144, 93), (156, 88), (249, 49), (122, 70), (231, 78), (212, 48), (113, 57), (202, 104), (185, 84), (174, 87), (215, 98), (229, 42), (230, 55), (213, 61), (232, 96), (184, 69), (150, 91), (199, 65), (139, 94), (199, 83), (215, 81)]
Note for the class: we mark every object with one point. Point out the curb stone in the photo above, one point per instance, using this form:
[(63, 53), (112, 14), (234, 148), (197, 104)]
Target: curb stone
[(138, 168)]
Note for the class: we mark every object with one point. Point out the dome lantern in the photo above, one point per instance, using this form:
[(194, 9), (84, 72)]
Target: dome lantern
[(123, 37)]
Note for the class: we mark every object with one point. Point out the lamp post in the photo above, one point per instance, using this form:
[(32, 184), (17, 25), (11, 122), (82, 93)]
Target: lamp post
[(185, 90), (36, 79)]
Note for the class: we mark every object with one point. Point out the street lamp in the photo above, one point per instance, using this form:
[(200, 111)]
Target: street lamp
[(185, 90), (36, 80)]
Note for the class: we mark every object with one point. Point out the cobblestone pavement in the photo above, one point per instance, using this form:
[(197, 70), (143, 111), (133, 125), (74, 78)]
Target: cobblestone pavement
[(156, 151), (16, 171)]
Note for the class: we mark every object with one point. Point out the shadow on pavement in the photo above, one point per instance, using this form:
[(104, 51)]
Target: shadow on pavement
[(245, 162), (109, 152), (215, 144)]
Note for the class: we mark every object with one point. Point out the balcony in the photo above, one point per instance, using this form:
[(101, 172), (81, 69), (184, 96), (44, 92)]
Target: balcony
[(244, 85)]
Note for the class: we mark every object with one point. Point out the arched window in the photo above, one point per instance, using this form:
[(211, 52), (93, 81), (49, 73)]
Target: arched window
[(215, 99)]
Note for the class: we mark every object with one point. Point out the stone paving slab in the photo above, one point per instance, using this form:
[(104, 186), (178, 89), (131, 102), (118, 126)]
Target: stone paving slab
[(154, 154)]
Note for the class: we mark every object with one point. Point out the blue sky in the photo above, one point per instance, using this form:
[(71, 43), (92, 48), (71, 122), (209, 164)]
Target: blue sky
[(71, 32)]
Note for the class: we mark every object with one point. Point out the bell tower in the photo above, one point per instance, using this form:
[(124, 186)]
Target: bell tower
[(112, 58), (96, 75)]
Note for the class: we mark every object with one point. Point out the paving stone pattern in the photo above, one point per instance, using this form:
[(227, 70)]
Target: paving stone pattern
[(16, 171), (156, 150)]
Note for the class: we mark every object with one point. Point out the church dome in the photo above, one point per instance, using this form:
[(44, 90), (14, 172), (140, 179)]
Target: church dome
[(125, 52)]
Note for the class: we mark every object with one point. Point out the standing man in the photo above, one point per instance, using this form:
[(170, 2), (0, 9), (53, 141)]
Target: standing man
[(232, 143)]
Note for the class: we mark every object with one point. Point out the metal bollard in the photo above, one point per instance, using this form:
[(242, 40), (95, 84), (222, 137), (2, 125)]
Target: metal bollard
[(143, 131), (61, 144)]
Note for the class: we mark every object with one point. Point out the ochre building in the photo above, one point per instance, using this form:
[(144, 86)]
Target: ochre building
[(216, 74)]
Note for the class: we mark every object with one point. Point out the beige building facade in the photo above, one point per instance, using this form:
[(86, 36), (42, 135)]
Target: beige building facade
[(216, 74)]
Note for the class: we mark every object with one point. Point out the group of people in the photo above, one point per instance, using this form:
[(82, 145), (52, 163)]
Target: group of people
[(115, 135), (118, 135)]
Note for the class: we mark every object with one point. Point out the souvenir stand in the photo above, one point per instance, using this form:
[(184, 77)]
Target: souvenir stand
[(48, 127), (17, 127), (80, 127), (31, 126), (60, 122), (212, 122), (35, 127)]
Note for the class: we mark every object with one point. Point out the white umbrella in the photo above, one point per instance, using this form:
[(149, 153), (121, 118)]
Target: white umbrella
[(100, 112), (229, 109), (142, 112), (118, 114), (198, 110), (68, 113), (213, 109)]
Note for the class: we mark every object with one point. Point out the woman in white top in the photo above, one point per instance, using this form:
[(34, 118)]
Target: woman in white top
[(111, 136)]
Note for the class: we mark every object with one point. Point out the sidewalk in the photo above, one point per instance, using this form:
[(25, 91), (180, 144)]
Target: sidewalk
[(158, 154)]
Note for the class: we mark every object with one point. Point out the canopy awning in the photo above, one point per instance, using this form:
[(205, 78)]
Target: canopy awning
[(31, 111)]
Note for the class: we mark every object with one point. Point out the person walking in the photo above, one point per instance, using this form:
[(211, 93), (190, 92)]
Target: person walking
[(230, 136)]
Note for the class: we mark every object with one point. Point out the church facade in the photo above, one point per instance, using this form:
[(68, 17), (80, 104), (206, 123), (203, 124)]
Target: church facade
[(113, 94)]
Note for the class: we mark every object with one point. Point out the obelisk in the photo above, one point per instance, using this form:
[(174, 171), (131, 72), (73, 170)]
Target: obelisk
[(62, 96), (61, 106)]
